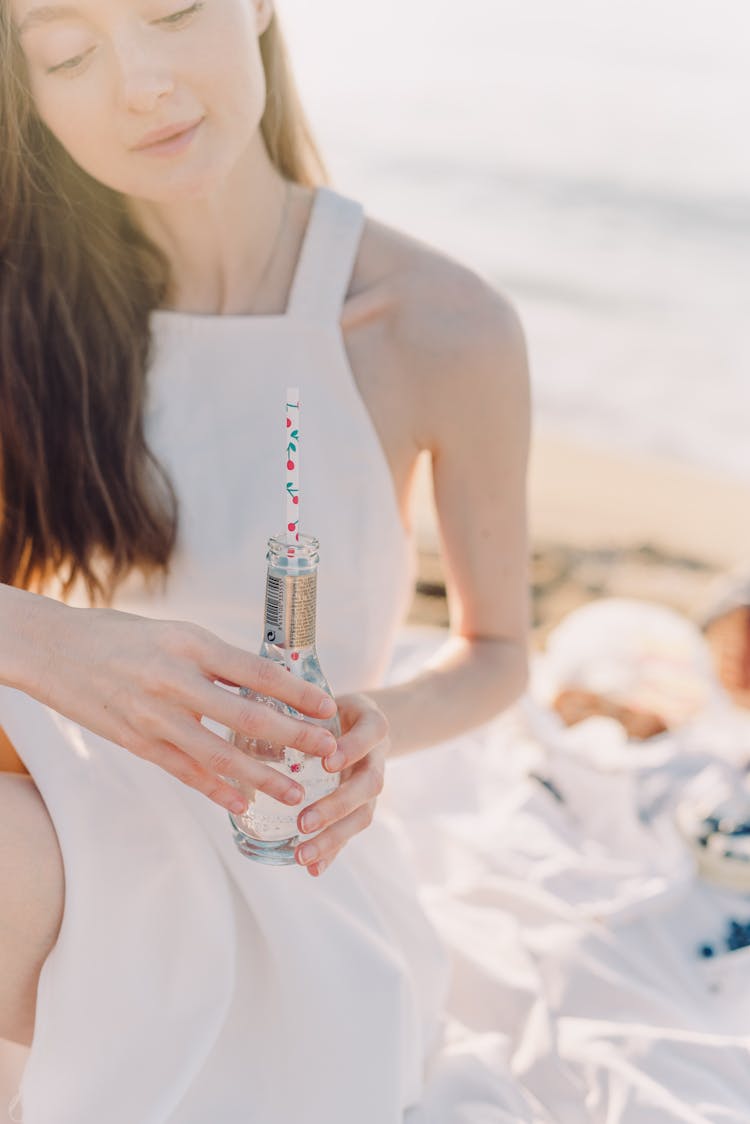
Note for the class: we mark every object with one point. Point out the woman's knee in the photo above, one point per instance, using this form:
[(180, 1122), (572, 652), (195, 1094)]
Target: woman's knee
[(32, 890)]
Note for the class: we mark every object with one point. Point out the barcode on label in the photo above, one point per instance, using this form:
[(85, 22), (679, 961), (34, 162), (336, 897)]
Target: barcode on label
[(274, 602)]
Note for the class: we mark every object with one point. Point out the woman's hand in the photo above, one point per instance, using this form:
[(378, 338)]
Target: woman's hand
[(362, 750), (145, 684)]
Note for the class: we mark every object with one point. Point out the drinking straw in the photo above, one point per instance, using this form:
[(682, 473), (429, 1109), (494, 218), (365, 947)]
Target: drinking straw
[(292, 466)]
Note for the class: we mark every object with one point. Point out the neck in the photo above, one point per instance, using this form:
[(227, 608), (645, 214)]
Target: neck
[(219, 246)]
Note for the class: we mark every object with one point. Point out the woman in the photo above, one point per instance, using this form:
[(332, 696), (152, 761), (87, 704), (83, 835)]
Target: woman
[(155, 295)]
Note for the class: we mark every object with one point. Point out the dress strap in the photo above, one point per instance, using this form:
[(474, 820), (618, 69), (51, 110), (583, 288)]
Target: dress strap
[(327, 257)]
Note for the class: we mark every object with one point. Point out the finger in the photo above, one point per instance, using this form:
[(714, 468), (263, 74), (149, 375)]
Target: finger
[(316, 869), (329, 842), (237, 668), (253, 719), (370, 728), (364, 784), (187, 770), (219, 759)]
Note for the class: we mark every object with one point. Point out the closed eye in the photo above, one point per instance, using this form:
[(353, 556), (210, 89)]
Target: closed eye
[(70, 64), (179, 17)]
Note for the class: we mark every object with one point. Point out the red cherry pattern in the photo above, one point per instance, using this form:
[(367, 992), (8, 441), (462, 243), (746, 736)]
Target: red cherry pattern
[(292, 485)]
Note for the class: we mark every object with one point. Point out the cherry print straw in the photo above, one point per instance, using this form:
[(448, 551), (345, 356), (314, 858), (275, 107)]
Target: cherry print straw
[(292, 466)]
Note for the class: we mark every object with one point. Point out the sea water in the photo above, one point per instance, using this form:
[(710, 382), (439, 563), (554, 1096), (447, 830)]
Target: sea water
[(591, 160)]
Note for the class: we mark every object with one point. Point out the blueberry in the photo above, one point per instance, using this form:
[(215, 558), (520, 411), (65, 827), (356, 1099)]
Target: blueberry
[(706, 950), (738, 935)]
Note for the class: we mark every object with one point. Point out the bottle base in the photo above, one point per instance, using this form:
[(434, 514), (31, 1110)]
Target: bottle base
[(274, 852)]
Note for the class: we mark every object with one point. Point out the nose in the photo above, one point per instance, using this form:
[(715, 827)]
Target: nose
[(145, 79), (142, 92)]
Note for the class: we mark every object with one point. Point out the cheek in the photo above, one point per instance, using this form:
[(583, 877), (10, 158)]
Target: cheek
[(235, 87), (81, 119)]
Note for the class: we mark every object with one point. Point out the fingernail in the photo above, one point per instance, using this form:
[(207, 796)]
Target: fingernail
[(238, 807), (327, 708), (327, 743), (294, 795), (310, 822), (308, 853), (335, 761)]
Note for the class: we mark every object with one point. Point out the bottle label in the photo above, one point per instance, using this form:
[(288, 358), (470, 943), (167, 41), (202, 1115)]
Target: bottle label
[(290, 610)]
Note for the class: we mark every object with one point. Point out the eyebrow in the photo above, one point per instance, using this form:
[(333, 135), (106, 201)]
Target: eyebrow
[(46, 14)]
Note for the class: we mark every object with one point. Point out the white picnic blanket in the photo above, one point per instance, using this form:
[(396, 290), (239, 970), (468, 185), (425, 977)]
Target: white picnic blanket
[(575, 926)]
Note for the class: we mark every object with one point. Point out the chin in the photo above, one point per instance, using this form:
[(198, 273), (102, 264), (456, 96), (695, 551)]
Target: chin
[(196, 186), (198, 182)]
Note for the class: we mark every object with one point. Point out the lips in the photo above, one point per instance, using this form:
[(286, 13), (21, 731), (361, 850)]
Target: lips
[(169, 132)]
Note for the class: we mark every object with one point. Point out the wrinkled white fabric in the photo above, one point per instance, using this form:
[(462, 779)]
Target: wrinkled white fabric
[(575, 927), (482, 953)]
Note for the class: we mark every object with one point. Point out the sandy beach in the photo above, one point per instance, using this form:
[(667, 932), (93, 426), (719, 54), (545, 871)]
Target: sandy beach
[(605, 524)]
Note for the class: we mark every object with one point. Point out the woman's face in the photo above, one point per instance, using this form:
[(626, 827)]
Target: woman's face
[(105, 73)]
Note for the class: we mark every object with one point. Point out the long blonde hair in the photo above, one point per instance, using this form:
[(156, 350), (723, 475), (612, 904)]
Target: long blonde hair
[(78, 282)]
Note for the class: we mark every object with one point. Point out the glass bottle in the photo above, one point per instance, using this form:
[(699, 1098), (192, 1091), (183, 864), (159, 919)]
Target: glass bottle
[(268, 831)]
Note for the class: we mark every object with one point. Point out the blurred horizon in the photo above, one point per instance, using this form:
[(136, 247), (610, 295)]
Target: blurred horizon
[(589, 162)]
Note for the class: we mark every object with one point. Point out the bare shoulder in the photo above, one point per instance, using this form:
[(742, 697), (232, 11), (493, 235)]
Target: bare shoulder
[(447, 335)]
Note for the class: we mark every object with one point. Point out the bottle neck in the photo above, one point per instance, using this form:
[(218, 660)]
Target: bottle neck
[(291, 605)]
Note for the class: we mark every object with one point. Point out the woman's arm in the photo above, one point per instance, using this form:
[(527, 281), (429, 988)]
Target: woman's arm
[(466, 683), (144, 684), (22, 616), (462, 373), (465, 375)]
